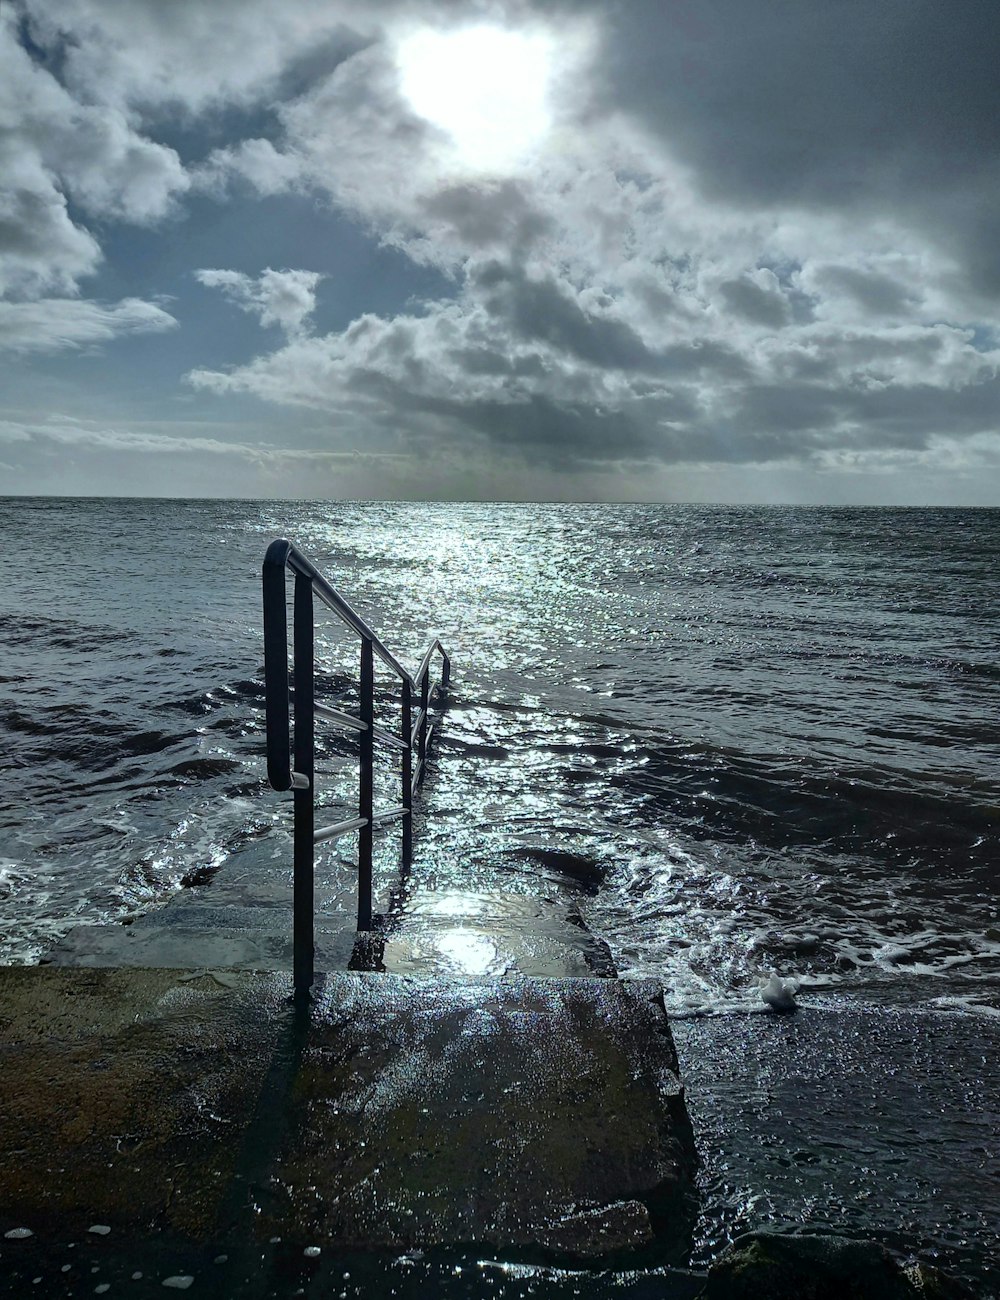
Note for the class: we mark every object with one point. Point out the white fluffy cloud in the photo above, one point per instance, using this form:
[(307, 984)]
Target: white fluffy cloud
[(56, 149), (282, 298), (192, 55)]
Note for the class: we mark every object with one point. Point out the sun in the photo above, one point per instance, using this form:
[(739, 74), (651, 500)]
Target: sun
[(487, 87)]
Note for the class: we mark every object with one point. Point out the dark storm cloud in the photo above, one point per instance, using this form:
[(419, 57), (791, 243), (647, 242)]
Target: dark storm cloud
[(749, 300), (879, 295), (552, 431), (488, 214), (549, 428), (703, 357), (891, 106), (788, 408), (543, 310), (906, 416), (800, 416)]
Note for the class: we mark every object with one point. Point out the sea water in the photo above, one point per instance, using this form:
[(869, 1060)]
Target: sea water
[(771, 734)]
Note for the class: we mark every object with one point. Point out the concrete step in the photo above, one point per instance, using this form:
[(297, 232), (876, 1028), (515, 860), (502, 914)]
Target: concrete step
[(537, 1118), (241, 919), (172, 946), (425, 944)]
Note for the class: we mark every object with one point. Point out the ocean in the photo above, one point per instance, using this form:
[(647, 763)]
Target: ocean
[(767, 736)]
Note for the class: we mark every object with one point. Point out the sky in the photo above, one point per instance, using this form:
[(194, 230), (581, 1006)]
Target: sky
[(656, 250)]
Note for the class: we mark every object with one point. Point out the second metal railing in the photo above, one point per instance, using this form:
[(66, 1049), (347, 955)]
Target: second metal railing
[(291, 748)]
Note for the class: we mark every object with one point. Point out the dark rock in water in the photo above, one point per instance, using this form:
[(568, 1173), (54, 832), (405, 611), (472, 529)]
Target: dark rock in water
[(801, 1266), (585, 872)]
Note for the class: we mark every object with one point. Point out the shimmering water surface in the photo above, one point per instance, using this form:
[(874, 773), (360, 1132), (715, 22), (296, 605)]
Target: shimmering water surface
[(769, 735)]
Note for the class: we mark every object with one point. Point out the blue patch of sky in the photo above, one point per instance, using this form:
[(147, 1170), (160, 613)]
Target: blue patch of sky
[(243, 234), (984, 337), (51, 57), (194, 138)]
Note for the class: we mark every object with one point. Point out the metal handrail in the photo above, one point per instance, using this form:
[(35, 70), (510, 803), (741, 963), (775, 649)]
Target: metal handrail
[(290, 751)]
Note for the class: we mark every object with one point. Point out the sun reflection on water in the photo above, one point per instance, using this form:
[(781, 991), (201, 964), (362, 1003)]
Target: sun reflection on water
[(469, 951)]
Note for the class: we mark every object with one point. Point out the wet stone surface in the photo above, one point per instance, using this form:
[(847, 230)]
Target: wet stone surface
[(540, 1114), (540, 1117)]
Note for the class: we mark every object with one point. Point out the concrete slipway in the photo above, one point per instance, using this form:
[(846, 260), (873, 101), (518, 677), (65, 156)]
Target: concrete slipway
[(397, 1124)]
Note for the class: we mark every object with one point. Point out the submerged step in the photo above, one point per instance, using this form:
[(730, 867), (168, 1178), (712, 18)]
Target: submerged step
[(488, 935), (184, 947), (480, 935), (485, 948)]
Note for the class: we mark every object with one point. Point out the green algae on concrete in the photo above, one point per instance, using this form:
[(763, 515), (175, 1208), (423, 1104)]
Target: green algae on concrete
[(536, 1116)]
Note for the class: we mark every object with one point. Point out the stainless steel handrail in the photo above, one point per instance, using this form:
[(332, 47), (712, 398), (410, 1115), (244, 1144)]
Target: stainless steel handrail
[(293, 558), (290, 751)]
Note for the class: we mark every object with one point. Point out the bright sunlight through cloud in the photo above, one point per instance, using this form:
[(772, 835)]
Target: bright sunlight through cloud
[(487, 87)]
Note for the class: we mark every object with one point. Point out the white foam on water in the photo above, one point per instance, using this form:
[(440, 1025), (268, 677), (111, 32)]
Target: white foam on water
[(968, 1004), (706, 924), (12, 874)]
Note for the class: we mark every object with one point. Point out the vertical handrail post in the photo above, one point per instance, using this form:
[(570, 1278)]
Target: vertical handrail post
[(422, 740), (304, 799), (406, 730), (366, 785)]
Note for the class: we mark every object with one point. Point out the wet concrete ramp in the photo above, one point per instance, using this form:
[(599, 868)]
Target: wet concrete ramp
[(542, 1119)]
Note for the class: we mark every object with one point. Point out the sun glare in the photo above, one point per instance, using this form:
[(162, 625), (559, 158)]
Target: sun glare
[(485, 86)]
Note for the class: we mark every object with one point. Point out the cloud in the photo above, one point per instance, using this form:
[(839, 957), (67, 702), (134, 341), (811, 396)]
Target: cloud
[(41, 249), (625, 298), (193, 55), (255, 161), (746, 235), (531, 371), (55, 151), (68, 432), (57, 144), (757, 297), (50, 324), (282, 298), (876, 293), (59, 452), (859, 108)]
